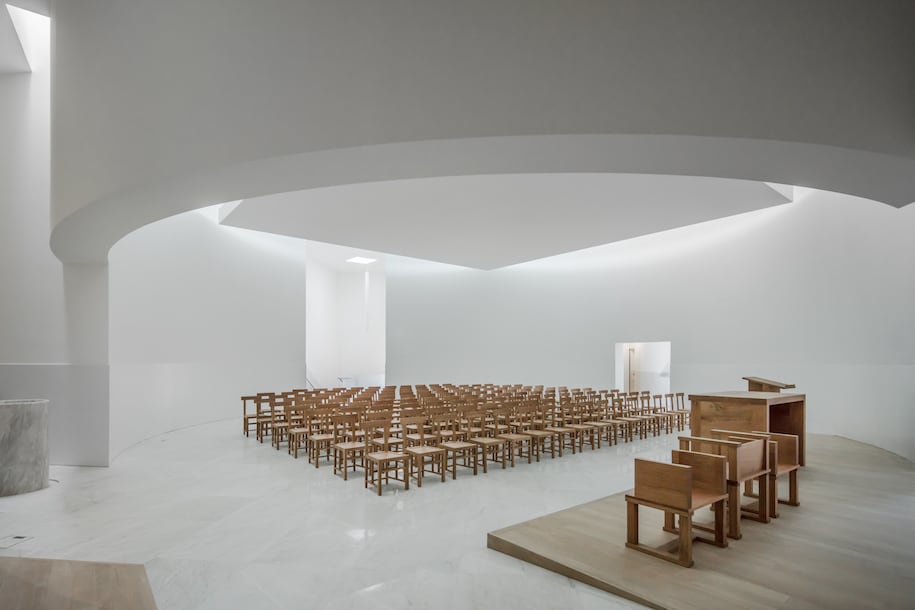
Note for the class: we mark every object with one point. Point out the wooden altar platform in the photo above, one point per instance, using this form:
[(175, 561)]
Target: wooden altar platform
[(851, 543), (58, 584)]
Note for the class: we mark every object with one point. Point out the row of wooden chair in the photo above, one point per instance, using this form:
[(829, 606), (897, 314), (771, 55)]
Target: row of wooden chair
[(643, 413), (437, 429), (718, 472)]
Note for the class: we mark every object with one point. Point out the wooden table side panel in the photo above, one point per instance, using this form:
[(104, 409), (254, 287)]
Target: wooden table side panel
[(708, 415)]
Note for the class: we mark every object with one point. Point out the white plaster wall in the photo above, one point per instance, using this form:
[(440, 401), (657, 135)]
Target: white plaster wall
[(200, 314), (46, 317), (362, 326), (322, 347), (345, 333), (819, 292)]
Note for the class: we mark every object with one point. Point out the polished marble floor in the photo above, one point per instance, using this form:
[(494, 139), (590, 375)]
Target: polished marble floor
[(223, 522)]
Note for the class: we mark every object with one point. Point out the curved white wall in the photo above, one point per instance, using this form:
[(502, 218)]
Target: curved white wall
[(168, 95), (819, 292), (200, 314), (46, 308)]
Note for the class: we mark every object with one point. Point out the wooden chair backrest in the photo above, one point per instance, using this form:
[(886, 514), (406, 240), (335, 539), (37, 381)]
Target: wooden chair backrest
[(419, 421), (681, 400), (322, 419), (725, 448), (710, 472), (372, 426), (666, 484), (345, 427), (752, 457), (787, 448), (442, 421)]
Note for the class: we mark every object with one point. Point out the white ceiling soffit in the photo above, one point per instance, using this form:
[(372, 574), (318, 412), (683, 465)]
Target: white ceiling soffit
[(42, 7), (12, 55), (491, 221)]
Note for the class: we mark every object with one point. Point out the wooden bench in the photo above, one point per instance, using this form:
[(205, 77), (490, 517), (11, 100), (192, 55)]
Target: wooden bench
[(747, 459)]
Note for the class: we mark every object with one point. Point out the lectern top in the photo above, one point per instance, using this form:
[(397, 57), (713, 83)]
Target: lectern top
[(778, 384)]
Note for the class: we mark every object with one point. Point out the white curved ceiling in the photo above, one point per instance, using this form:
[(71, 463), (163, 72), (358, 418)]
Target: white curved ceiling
[(491, 221)]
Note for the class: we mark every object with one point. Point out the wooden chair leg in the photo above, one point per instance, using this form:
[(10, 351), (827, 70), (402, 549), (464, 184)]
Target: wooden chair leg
[(792, 489), (669, 524), (734, 511), (763, 484), (632, 523), (720, 535), (773, 496), (686, 541)]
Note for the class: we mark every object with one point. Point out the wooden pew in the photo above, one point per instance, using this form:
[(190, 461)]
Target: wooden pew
[(747, 459), (693, 481), (784, 461)]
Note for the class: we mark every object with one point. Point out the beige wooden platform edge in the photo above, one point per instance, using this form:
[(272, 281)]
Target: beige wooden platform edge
[(496, 543), (28, 582)]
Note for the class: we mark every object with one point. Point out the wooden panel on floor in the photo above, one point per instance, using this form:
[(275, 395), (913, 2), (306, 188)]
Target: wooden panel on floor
[(851, 543), (56, 584)]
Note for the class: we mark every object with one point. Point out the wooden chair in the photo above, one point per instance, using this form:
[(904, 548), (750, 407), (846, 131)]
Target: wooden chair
[(667, 417), (555, 425), (783, 460), (348, 448), (321, 435), (525, 423), (282, 419), (606, 427), (457, 447), (629, 414), (679, 416), (520, 444), (380, 464), (265, 402), (573, 418), (249, 420), (491, 448), (680, 407), (693, 481), (300, 432), (421, 452), (747, 459)]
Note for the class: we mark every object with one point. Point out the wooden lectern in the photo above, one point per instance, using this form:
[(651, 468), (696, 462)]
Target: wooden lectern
[(749, 411), (758, 384)]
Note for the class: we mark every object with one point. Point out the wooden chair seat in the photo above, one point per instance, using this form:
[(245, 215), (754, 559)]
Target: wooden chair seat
[(519, 441), (469, 452), (539, 441), (418, 458), (490, 448), (413, 439), (583, 430)]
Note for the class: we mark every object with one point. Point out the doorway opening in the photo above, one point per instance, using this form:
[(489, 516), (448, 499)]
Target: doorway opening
[(642, 366)]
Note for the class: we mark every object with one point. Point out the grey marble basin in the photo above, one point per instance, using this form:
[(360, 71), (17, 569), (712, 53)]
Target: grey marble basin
[(23, 446)]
